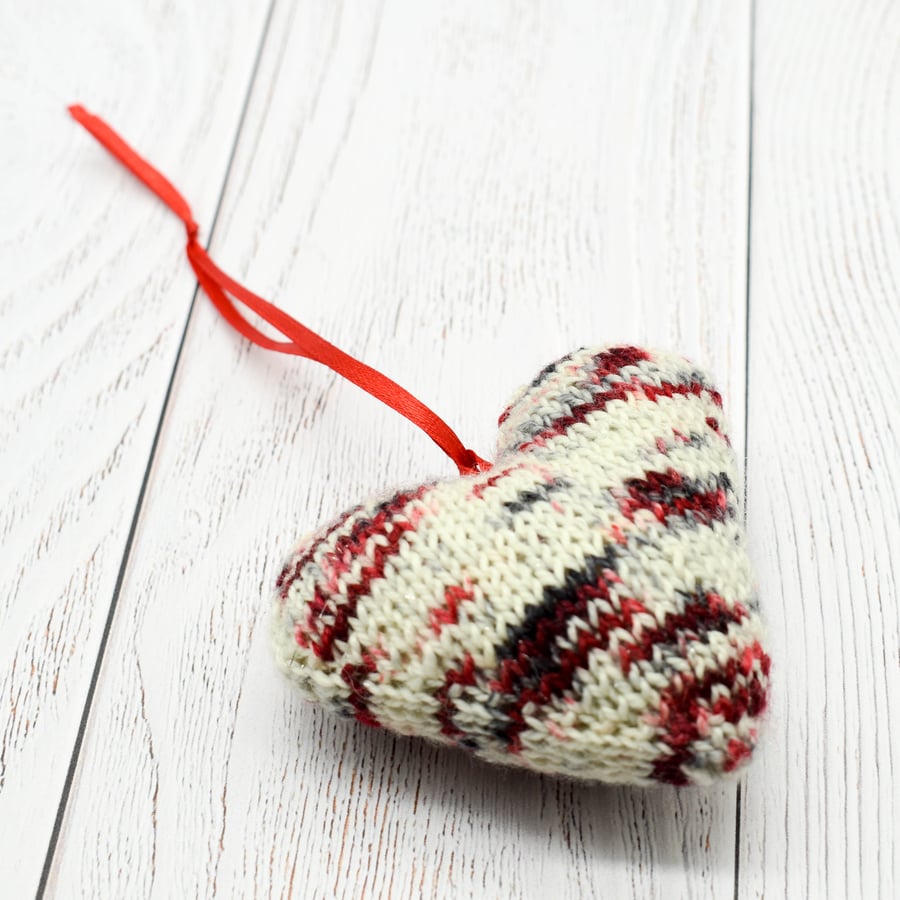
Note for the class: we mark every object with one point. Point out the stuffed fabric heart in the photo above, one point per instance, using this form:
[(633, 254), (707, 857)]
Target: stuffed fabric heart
[(584, 608)]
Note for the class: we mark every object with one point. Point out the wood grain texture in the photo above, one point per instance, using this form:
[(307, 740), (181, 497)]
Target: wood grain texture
[(92, 311), (457, 194), (819, 812)]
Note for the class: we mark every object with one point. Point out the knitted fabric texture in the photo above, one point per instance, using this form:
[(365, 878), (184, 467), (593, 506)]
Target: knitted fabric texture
[(584, 608)]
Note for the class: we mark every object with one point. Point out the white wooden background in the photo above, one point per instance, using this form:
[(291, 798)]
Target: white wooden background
[(457, 193)]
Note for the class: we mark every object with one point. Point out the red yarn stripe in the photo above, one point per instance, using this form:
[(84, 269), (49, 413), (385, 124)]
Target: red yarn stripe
[(670, 493), (606, 363), (619, 392), (681, 711), (389, 527), (301, 341), (293, 569), (464, 674), (355, 677), (699, 616)]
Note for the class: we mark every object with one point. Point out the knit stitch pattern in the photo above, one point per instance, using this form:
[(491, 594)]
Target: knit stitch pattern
[(584, 608)]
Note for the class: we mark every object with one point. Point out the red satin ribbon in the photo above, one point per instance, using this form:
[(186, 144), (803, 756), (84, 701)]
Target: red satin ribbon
[(219, 287)]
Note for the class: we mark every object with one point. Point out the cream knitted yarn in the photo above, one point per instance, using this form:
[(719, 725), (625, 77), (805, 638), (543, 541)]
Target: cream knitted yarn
[(584, 608)]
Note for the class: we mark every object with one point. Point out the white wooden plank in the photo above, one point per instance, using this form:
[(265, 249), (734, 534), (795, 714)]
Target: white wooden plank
[(457, 195), (819, 813), (92, 312)]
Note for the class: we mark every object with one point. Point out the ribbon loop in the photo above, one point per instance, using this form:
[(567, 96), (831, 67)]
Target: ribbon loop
[(220, 288)]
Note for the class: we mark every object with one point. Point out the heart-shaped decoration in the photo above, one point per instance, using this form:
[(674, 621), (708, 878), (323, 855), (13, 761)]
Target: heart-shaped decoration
[(584, 608)]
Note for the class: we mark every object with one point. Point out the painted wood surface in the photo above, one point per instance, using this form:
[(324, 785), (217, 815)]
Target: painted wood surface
[(819, 813), (422, 186), (92, 313), (456, 193)]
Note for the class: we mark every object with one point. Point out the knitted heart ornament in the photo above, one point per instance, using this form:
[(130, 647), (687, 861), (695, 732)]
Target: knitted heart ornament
[(583, 608)]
